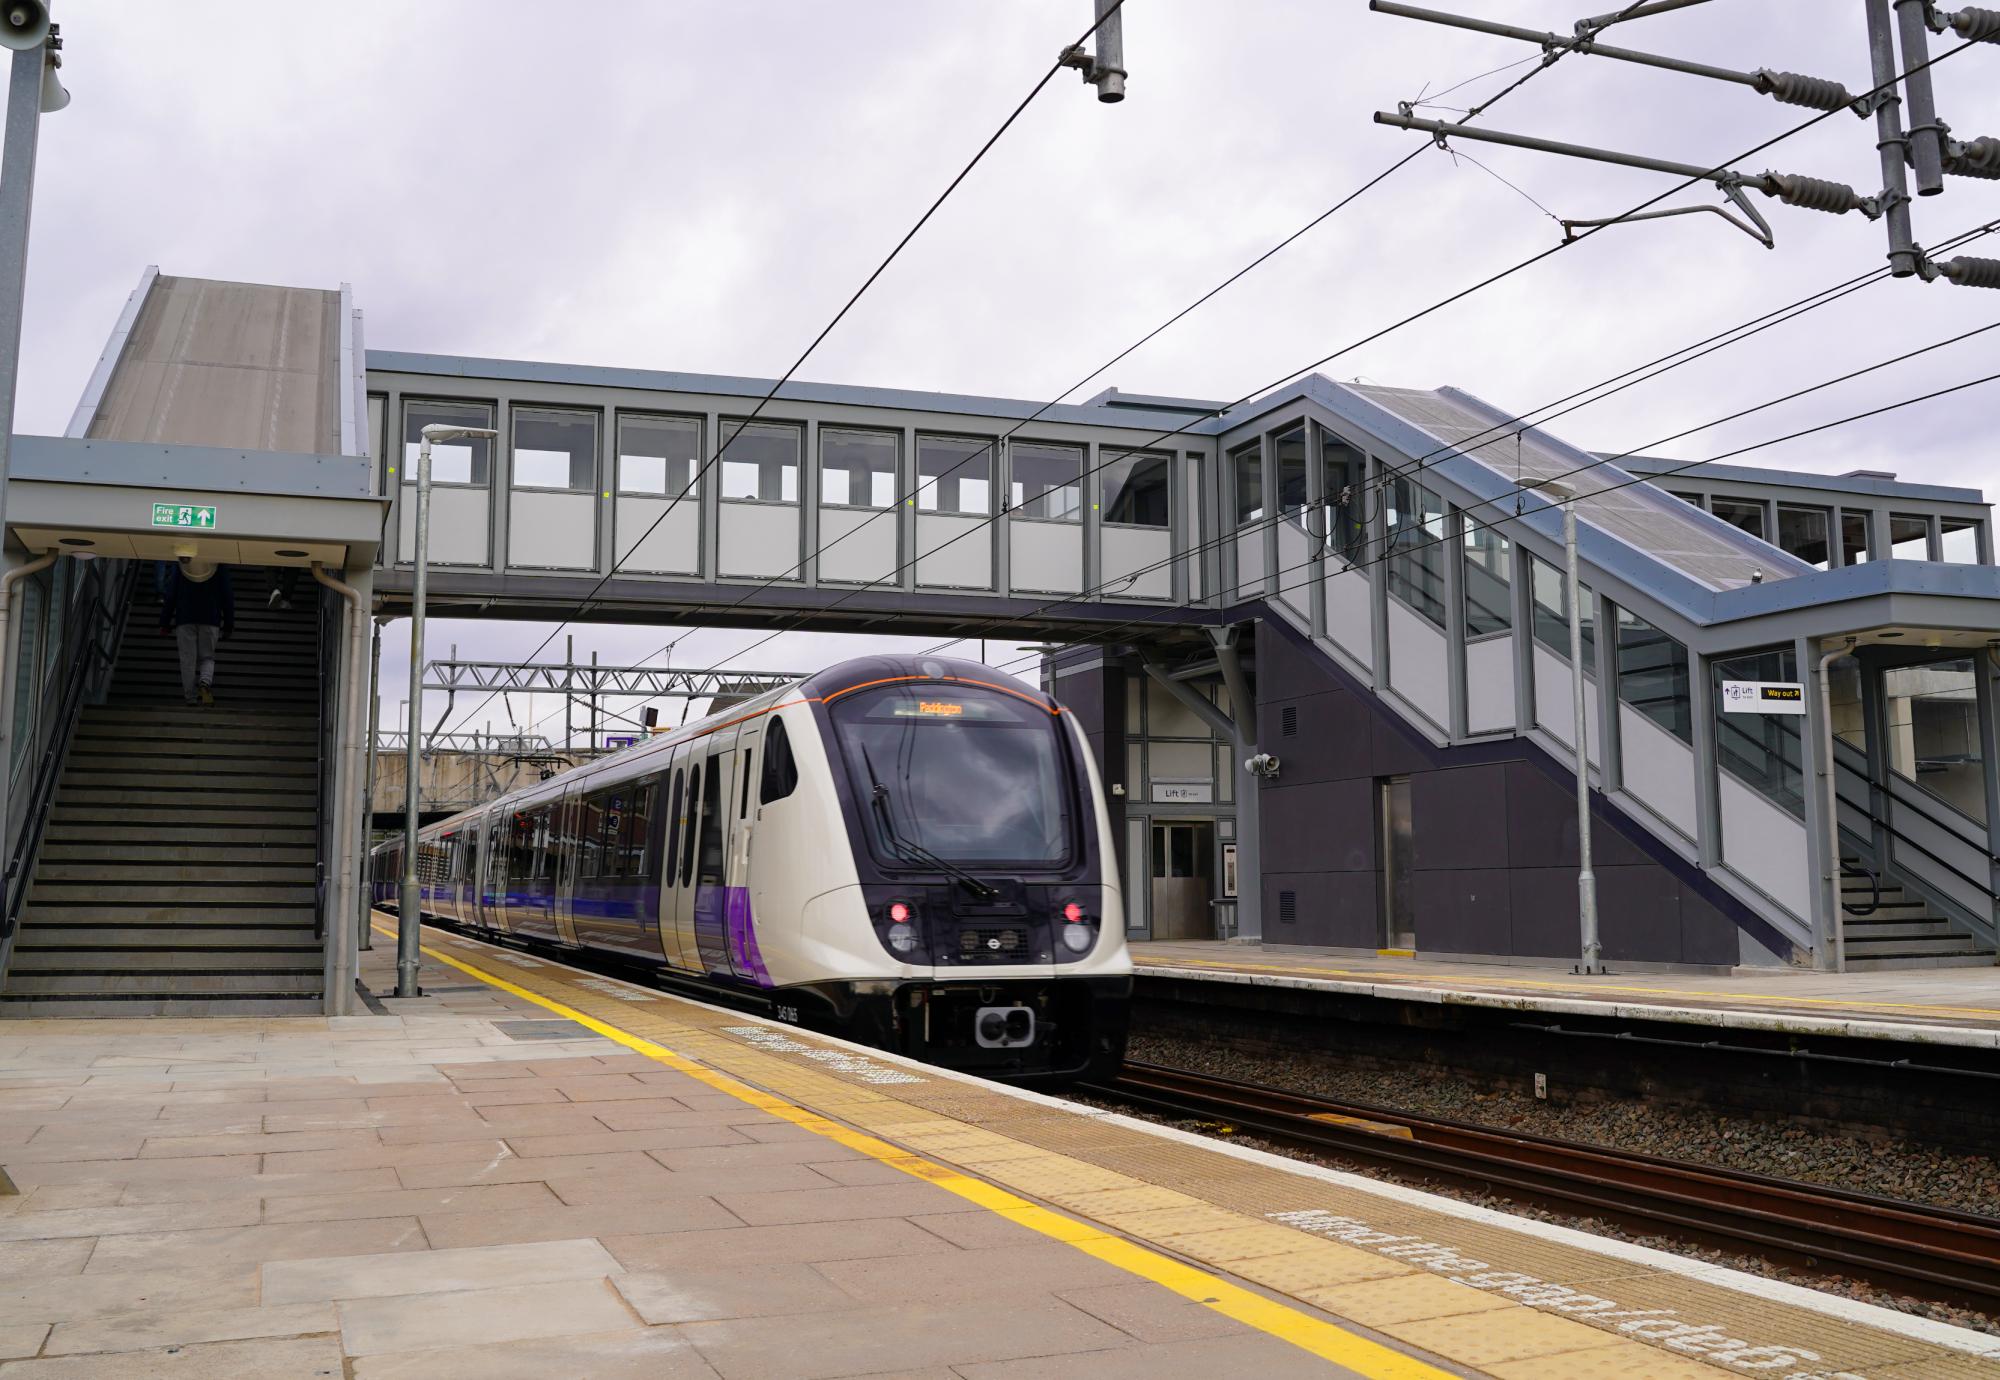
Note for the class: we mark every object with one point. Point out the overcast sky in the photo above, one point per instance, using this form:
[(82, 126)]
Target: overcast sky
[(698, 187)]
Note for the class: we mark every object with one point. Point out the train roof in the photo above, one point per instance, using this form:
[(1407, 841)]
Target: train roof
[(841, 678)]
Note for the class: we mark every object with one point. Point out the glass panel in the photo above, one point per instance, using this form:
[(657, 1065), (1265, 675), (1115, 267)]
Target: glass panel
[(452, 462), (1137, 490), (1047, 481), (1653, 675), (1696, 499), (1550, 586), (1853, 537), (760, 462), (1488, 570), (1909, 537), (954, 475), (1958, 540), (1289, 450), (657, 455), (554, 450), (1738, 513), (857, 469), (1803, 532), (1246, 468), (1343, 477), (1180, 842), (1415, 530), (1933, 717), (1760, 750)]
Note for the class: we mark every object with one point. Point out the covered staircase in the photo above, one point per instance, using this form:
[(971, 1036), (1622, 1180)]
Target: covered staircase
[(177, 875), (1894, 928)]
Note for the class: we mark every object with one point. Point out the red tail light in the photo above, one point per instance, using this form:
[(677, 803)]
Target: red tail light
[(1073, 913)]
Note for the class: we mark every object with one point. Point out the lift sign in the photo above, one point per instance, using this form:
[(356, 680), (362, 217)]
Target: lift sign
[(183, 515), (1763, 697)]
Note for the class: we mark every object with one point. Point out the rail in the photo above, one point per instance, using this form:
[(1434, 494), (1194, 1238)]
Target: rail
[(1932, 1253), (102, 604)]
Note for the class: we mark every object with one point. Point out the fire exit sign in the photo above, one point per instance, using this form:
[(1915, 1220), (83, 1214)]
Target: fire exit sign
[(183, 515)]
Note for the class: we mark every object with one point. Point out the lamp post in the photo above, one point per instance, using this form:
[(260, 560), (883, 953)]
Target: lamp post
[(408, 911), (1586, 879)]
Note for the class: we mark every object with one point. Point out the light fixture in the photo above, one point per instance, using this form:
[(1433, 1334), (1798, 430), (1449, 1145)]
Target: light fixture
[(290, 552), (76, 541)]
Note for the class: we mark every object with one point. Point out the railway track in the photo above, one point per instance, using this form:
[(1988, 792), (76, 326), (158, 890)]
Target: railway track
[(1930, 1253)]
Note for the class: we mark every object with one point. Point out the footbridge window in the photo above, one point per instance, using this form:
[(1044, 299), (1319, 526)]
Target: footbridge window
[(1551, 597), (760, 463), (1761, 750), (1047, 482), (1653, 675), (461, 485), (1288, 450), (552, 494), (1138, 490), (1246, 469), (1343, 485), (1136, 538), (954, 475), (1489, 561), (1803, 533), (1909, 537), (1958, 540), (657, 456), (656, 521), (955, 545), (857, 469), (859, 482), (1414, 518), (758, 531)]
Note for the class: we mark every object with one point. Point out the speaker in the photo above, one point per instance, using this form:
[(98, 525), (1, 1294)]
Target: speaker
[(24, 23)]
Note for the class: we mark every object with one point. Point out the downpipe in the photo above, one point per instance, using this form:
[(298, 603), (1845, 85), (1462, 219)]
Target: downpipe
[(340, 967), (1831, 790)]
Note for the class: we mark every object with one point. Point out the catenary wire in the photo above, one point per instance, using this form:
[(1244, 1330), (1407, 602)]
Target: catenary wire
[(825, 331)]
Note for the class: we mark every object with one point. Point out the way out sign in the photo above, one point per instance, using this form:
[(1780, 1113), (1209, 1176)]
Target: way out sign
[(199, 517), (1763, 697)]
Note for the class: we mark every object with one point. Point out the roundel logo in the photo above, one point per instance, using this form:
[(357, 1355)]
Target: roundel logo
[(993, 943)]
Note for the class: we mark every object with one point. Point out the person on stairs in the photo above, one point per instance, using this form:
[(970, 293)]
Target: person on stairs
[(199, 607)]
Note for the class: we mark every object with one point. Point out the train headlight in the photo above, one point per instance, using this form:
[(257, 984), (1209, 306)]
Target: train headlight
[(1078, 934), (902, 938)]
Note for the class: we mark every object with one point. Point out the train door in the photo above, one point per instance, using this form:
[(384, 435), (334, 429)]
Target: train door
[(493, 870), (745, 960), (564, 860), (711, 853), (676, 862)]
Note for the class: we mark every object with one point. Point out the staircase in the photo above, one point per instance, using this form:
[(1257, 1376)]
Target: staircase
[(177, 875), (1901, 931)]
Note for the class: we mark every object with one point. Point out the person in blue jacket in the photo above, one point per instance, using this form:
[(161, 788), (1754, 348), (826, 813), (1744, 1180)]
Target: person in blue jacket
[(199, 607)]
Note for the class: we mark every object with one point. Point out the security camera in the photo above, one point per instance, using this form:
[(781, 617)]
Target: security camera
[(1263, 764)]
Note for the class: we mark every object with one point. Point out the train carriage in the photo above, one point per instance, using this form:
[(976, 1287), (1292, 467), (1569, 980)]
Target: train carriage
[(911, 851)]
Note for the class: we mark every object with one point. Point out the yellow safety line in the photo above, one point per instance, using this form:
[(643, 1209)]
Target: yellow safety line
[(1315, 1335), (1444, 981)]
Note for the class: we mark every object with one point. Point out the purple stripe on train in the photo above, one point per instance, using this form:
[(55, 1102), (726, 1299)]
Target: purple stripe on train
[(743, 951)]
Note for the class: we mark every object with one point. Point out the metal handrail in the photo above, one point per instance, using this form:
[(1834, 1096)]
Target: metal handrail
[(105, 615), (1856, 868)]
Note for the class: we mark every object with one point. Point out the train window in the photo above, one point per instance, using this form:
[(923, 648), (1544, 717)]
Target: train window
[(673, 829), (617, 825), (590, 836), (781, 770), (639, 826), (693, 818), (749, 758)]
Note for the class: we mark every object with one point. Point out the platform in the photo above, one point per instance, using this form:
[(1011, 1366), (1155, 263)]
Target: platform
[(533, 1171), (1955, 1006)]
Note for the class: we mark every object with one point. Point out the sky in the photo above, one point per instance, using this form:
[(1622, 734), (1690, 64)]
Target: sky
[(700, 186)]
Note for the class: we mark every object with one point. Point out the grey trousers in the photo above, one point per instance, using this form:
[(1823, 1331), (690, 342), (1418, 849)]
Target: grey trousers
[(197, 647)]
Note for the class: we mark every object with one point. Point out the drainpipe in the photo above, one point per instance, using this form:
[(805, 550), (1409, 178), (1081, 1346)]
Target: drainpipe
[(340, 948), (365, 911), (1249, 785), (1831, 787)]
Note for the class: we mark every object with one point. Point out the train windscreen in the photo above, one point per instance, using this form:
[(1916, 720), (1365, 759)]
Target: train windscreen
[(962, 773)]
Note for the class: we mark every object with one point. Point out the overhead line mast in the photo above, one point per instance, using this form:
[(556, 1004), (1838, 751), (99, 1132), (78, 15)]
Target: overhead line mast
[(1924, 147)]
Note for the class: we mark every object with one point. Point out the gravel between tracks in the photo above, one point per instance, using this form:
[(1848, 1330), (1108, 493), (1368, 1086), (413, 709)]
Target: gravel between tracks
[(1895, 1170)]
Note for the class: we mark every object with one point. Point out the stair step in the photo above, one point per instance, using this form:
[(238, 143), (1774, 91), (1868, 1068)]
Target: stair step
[(167, 812), (238, 1005), (87, 831), (35, 913), (165, 984), (51, 962), (1884, 963), (192, 777), (155, 853), (119, 872), (71, 938), (1868, 930), (1882, 948), (149, 752), (99, 891)]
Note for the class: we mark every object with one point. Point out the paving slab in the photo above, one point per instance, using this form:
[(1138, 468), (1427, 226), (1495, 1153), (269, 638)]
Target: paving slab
[(656, 1353)]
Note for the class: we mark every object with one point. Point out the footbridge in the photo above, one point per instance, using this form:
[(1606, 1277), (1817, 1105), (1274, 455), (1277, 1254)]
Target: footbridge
[(1357, 587)]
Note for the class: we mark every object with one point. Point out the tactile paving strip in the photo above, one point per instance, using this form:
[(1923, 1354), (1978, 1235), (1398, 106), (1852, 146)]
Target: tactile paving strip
[(1483, 1296)]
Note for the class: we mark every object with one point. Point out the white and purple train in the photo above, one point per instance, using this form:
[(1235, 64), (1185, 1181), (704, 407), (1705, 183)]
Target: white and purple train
[(913, 852)]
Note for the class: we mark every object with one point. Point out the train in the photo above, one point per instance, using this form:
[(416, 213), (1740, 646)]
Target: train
[(912, 852)]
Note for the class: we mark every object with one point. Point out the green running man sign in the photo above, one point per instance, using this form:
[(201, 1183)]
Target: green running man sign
[(183, 515)]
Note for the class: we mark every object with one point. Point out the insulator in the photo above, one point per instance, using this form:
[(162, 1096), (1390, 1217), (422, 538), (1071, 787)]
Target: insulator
[(1813, 193), (1794, 88), (1977, 25), (1974, 158), (1967, 272)]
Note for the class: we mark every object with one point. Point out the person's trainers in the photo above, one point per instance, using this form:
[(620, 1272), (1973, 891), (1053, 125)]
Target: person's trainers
[(272, 602), (202, 694)]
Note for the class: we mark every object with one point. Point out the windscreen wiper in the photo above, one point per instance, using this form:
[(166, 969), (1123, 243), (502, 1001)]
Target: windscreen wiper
[(915, 852)]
